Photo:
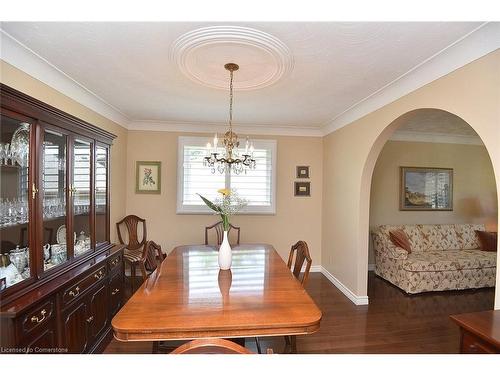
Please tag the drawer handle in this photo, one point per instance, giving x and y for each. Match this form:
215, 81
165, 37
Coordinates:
89, 320
98, 275
36, 319
74, 293
115, 291
114, 262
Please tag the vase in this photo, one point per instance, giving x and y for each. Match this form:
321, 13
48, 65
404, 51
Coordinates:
225, 256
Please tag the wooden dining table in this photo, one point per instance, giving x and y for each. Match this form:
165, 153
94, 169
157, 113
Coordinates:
188, 297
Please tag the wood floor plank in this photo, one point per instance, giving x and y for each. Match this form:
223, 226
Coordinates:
392, 323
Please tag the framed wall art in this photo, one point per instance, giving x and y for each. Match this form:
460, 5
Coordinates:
148, 177
302, 189
303, 171
426, 189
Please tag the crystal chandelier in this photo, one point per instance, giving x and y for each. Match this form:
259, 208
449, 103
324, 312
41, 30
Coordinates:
230, 159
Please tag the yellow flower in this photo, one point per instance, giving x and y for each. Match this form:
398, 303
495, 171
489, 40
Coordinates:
224, 192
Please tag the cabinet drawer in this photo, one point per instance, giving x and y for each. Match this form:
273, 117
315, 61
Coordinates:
472, 344
80, 287
36, 318
115, 263
115, 292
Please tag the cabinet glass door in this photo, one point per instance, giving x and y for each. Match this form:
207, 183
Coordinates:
81, 194
101, 195
15, 194
53, 196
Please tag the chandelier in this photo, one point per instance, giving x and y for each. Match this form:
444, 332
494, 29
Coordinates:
230, 159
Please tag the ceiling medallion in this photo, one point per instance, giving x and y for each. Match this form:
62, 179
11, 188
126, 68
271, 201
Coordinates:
230, 160
200, 53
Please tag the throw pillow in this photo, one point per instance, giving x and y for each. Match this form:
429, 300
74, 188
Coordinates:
400, 239
487, 240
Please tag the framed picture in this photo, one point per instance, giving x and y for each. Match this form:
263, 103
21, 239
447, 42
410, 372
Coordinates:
148, 177
302, 189
426, 189
303, 171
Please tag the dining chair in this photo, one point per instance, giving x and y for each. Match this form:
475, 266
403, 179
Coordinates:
134, 248
152, 256
211, 346
219, 229
301, 253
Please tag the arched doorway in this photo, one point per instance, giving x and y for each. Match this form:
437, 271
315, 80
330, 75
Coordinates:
445, 127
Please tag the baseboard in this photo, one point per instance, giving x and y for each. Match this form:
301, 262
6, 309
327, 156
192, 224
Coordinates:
357, 300
316, 269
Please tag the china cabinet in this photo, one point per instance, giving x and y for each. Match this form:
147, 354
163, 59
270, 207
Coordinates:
60, 277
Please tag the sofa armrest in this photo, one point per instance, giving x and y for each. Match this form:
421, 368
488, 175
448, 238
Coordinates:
397, 252
384, 249
393, 252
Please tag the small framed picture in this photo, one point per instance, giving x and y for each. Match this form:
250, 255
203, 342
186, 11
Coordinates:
148, 177
3, 283
302, 189
426, 189
303, 171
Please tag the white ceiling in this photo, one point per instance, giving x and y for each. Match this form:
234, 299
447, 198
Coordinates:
434, 125
329, 67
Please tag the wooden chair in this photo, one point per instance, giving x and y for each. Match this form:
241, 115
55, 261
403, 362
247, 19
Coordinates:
211, 346
219, 229
301, 252
152, 256
134, 248
302, 255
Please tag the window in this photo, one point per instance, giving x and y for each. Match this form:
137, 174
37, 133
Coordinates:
257, 186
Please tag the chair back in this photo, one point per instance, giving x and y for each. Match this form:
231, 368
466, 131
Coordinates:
219, 230
151, 258
302, 255
132, 222
211, 346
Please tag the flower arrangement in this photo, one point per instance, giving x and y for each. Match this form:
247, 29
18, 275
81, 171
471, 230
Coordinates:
227, 205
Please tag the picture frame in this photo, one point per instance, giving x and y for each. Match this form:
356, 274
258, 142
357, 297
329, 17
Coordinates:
302, 189
148, 177
426, 189
303, 171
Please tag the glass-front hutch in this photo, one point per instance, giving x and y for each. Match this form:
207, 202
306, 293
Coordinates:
54, 193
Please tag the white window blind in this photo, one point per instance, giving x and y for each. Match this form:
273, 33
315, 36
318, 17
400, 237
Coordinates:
256, 186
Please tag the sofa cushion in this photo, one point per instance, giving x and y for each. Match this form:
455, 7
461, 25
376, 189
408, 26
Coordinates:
467, 236
440, 237
400, 239
488, 240
448, 260
413, 232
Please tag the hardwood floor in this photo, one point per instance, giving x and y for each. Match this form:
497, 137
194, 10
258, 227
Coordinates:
392, 323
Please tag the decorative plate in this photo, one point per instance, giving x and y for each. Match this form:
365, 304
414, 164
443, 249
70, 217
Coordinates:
19, 145
61, 234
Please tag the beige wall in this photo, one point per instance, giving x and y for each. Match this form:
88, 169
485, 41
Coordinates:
23, 82
471, 92
474, 187
297, 218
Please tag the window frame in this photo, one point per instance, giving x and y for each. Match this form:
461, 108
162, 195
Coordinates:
270, 144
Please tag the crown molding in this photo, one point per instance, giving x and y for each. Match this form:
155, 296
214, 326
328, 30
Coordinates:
22, 57
479, 42
213, 127
472, 46
412, 136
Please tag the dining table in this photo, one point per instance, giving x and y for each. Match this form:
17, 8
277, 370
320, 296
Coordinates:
188, 297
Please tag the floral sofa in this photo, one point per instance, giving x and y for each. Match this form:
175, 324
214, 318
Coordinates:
443, 257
